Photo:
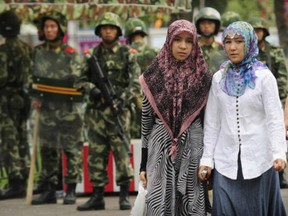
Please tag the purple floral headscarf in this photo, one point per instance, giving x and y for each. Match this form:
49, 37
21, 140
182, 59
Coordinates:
237, 76
177, 90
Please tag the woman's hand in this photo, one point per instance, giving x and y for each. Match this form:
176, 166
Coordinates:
142, 178
204, 173
279, 165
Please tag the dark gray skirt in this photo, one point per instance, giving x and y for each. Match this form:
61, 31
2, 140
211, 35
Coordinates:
260, 196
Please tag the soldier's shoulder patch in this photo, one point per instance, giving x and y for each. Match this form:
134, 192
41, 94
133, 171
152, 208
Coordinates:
132, 51
69, 49
87, 51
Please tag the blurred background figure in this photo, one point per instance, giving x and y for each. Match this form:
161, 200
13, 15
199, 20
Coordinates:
56, 66
208, 22
136, 35
229, 17
15, 61
273, 56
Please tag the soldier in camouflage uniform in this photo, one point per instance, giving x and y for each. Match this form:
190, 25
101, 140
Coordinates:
136, 33
119, 65
14, 105
274, 58
229, 17
208, 23
60, 124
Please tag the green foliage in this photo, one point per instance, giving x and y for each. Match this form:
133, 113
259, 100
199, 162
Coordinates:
254, 8
218, 5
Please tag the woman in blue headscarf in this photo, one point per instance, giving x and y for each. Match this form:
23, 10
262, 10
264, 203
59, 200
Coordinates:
244, 134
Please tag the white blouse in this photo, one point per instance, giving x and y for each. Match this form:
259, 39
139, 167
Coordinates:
252, 123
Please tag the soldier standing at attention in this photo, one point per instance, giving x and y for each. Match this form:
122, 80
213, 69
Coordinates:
56, 66
274, 58
118, 64
136, 33
208, 22
15, 61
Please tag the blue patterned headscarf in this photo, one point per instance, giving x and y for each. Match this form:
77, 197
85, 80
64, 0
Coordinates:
237, 76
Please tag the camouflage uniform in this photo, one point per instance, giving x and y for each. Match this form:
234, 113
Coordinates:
15, 67
145, 54
274, 58
61, 123
213, 53
119, 65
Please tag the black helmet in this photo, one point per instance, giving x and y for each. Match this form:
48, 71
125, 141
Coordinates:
208, 13
9, 24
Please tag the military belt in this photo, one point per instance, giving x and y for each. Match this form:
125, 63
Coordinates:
55, 90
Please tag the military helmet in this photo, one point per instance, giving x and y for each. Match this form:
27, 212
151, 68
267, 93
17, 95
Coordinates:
208, 13
133, 26
57, 17
109, 18
229, 17
9, 24
259, 22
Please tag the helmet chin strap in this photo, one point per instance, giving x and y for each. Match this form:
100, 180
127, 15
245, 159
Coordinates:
207, 35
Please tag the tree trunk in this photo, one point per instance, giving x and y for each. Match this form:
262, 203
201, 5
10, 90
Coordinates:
282, 23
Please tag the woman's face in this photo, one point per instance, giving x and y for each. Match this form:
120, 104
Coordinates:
234, 48
182, 46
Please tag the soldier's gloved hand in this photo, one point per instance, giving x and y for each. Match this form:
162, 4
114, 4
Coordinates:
95, 94
84, 88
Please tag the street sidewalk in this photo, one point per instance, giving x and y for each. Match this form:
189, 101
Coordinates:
18, 207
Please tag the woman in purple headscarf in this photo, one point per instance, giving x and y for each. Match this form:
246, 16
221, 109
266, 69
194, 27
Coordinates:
175, 88
244, 133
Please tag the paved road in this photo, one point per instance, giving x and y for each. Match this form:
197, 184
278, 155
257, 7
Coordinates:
18, 207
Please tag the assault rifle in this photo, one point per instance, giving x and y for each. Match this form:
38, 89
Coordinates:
109, 95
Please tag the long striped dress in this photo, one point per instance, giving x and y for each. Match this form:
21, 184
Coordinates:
173, 187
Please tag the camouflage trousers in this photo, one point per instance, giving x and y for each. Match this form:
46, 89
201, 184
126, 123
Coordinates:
103, 138
20, 123
9, 149
61, 130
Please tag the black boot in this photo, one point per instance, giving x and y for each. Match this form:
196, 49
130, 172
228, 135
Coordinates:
16, 189
46, 197
41, 187
283, 181
70, 197
96, 201
123, 197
